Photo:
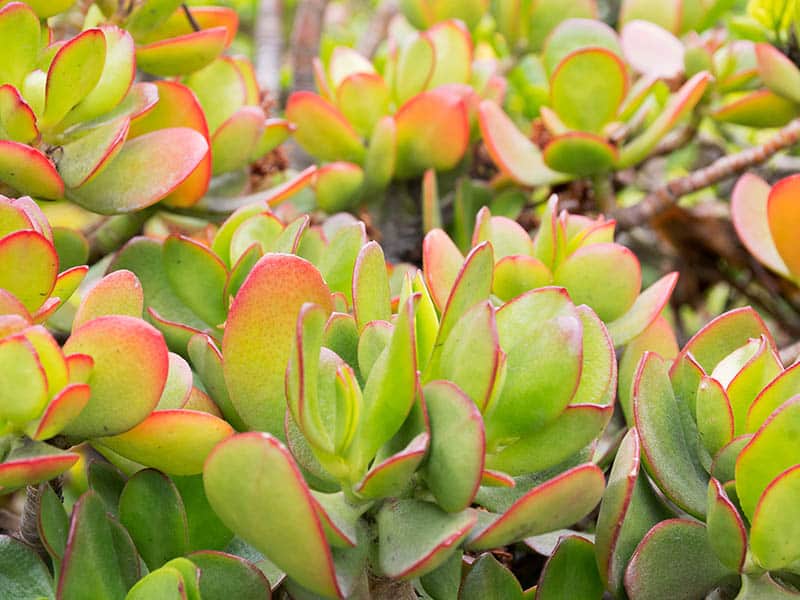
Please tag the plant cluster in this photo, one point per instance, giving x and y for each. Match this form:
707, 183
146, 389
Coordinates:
215, 387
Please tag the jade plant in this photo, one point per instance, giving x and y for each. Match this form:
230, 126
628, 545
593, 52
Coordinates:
373, 127
715, 431
368, 464
764, 217
570, 251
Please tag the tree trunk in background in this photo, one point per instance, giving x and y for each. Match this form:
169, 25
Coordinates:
269, 46
306, 32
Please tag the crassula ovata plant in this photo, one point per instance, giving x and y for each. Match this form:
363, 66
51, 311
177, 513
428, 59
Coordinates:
444, 353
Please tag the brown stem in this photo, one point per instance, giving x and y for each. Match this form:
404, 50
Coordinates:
378, 27
28, 526
306, 34
268, 41
190, 17
668, 194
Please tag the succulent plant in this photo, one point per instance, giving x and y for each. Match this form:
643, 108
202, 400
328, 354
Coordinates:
595, 120
371, 127
569, 251
386, 433
764, 218
715, 431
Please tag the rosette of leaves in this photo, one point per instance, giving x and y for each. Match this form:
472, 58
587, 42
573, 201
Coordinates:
171, 39
765, 219
66, 112
238, 128
189, 284
715, 432
569, 251
375, 435
596, 119
372, 127
147, 536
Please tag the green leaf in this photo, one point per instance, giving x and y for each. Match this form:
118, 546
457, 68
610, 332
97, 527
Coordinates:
84, 158
415, 63
443, 582
489, 580
17, 120
364, 99
23, 575
20, 26
415, 537
587, 88
197, 277
764, 588
391, 476
119, 188
28, 267
338, 186
542, 370
580, 153
456, 458
339, 259
607, 277
151, 509
571, 572
772, 450
224, 576
556, 503
118, 293
23, 382
255, 355
442, 261
52, 523
207, 362
390, 389
74, 72
90, 568
674, 560
371, 296
628, 510
163, 584
190, 574
107, 481
714, 415
778, 72
255, 487
182, 54
668, 452
471, 356
123, 393
574, 34
322, 130
234, 142
726, 531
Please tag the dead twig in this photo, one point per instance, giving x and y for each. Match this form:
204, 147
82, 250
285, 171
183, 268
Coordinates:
668, 194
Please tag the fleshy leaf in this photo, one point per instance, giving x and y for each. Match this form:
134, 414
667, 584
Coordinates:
778, 72
652, 50
422, 123
118, 293
31, 462
173, 441
761, 108
407, 552
511, 151
571, 572
456, 458
580, 153
123, 392
772, 450
224, 576
773, 538
183, 54
255, 469
669, 458
489, 580
119, 188
90, 567
371, 301
17, 120
197, 276
783, 218
392, 475
234, 142
25, 576
749, 215
726, 532
19, 25
151, 509
338, 186
442, 262
74, 72
29, 171
674, 555
259, 333
322, 130
558, 502
587, 88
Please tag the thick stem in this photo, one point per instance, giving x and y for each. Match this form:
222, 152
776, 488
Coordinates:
28, 526
382, 588
378, 27
306, 34
668, 194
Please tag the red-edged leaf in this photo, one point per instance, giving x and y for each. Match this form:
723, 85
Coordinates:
778, 72
322, 130
783, 218
28, 267
255, 470
32, 462
726, 531
29, 171
183, 54
749, 200
118, 293
652, 50
259, 332
392, 475
556, 503
442, 261
62, 410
